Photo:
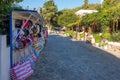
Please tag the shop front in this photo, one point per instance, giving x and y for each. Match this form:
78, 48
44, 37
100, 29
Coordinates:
27, 39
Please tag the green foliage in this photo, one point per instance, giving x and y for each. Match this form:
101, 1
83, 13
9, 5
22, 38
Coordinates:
85, 4
107, 36
115, 37
94, 6
109, 12
90, 7
110, 3
67, 18
5, 7
90, 32
74, 35
97, 38
50, 12
82, 35
71, 33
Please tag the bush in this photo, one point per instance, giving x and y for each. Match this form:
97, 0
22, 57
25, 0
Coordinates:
97, 38
107, 36
71, 33
115, 37
82, 35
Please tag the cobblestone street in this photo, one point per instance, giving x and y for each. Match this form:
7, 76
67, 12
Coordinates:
64, 59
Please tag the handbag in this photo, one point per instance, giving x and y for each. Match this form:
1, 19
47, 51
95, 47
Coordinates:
29, 58
22, 71
13, 75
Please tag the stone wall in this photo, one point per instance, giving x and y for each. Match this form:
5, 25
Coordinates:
114, 46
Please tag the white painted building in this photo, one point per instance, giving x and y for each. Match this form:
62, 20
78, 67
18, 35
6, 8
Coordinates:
4, 59
84, 12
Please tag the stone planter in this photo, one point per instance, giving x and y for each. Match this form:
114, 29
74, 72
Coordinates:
82, 39
105, 47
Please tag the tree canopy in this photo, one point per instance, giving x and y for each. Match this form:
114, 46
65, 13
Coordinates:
85, 4
110, 3
109, 12
67, 18
5, 7
50, 12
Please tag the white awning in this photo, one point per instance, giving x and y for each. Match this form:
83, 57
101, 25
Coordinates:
25, 14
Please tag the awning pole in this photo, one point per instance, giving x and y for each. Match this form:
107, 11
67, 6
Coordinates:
36, 21
27, 20
39, 18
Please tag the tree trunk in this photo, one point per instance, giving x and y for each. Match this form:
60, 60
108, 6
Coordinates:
90, 30
117, 25
113, 26
49, 26
108, 29
72, 28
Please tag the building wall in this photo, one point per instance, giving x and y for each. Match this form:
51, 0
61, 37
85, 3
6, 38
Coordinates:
4, 59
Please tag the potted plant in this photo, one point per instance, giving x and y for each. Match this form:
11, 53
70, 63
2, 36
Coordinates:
97, 39
82, 35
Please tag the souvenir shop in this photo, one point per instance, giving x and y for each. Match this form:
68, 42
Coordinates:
27, 39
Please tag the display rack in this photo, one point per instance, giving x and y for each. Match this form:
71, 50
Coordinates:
26, 36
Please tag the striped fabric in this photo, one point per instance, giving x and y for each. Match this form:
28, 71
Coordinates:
46, 34
23, 71
12, 74
34, 57
29, 58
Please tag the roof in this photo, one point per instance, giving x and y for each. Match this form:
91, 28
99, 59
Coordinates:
25, 14
84, 12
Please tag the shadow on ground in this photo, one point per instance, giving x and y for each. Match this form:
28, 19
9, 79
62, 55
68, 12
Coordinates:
64, 59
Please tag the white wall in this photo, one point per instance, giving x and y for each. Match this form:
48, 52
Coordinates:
4, 59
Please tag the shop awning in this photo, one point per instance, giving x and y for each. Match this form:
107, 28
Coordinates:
34, 16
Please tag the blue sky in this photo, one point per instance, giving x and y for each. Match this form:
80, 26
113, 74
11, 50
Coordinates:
61, 4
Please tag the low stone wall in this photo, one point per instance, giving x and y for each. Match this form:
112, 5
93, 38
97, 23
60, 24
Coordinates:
114, 46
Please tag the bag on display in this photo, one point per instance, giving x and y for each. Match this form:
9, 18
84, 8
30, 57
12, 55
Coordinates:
22, 71
29, 58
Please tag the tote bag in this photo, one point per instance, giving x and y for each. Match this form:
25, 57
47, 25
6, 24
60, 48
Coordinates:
23, 71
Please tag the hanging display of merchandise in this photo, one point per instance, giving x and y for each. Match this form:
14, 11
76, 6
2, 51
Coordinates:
26, 42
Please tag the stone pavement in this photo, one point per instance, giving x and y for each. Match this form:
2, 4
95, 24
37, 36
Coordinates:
64, 59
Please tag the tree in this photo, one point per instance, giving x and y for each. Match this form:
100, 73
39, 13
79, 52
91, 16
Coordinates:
110, 3
107, 16
50, 13
5, 7
67, 18
85, 3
